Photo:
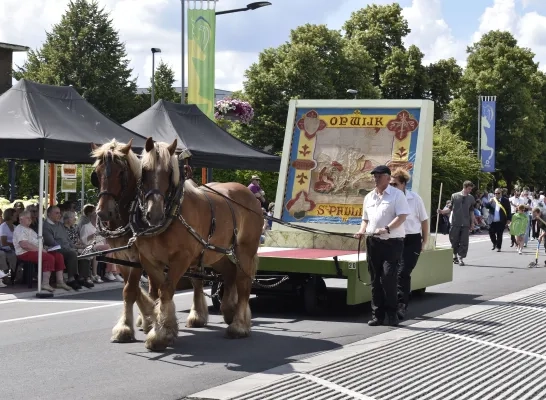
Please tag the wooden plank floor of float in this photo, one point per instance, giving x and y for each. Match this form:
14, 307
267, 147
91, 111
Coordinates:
434, 267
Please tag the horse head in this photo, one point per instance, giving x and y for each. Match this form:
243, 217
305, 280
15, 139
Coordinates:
115, 175
160, 174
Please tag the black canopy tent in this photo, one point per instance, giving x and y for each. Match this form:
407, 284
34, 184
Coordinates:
210, 145
55, 124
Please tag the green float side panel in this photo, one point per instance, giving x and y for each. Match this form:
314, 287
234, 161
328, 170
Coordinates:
434, 267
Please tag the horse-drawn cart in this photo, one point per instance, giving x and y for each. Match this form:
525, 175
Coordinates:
330, 148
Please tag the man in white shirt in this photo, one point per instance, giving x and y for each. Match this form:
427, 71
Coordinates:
417, 232
384, 212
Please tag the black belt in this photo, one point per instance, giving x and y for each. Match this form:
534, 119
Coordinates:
386, 240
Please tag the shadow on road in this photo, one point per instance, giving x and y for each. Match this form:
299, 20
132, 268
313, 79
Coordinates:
198, 347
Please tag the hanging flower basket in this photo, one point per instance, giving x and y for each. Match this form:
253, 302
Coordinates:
233, 110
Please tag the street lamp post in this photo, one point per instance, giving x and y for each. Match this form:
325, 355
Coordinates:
249, 7
353, 92
154, 50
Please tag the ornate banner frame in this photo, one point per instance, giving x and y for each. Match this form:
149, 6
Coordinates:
330, 147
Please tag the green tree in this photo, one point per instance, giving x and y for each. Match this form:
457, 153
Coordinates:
404, 76
444, 79
84, 50
164, 80
316, 63
453, 162
379, 29
497, 66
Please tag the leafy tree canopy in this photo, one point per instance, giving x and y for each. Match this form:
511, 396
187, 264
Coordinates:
84, 50
497, 66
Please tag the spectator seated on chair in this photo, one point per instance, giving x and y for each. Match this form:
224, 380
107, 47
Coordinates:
33, 209
26, 244
88, 233
55, 234
69, 223
8, 259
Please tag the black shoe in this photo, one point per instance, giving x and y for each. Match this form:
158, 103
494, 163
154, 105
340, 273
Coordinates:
494, 247
375, 322
74, 284
85, 283
498, 250
512, 245
401, 312
392, 320
455, 260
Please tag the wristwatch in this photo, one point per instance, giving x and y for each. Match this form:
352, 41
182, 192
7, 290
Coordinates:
388, 229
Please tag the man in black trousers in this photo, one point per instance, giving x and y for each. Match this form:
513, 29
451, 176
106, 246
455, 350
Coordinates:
499, 208
383, 215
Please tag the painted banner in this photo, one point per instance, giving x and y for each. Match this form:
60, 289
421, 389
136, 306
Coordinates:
333, 151
201, 49
69, 171
69, 185
487, 134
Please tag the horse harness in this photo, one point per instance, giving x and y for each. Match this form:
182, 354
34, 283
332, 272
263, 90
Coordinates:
174, 198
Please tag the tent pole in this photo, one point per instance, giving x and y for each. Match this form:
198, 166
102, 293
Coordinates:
42, 198
51, 170
83, 188
46, 185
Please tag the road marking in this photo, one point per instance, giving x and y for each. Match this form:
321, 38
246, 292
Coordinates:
57, 313
118, 303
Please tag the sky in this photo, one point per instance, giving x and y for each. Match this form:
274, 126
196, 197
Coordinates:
441, 28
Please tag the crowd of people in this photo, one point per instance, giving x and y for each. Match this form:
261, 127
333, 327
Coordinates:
520, 214
65, 236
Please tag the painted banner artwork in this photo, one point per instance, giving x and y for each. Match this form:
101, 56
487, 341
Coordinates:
332, 154
487, 135
201, 49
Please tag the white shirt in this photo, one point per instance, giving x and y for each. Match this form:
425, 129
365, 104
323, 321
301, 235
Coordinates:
417, 214
379, 211
5, 231
517, 201
87, 230
23, 233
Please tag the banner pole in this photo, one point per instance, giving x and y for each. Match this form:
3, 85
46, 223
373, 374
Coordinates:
438, 214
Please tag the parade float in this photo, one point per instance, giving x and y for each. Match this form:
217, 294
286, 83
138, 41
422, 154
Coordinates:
330, 148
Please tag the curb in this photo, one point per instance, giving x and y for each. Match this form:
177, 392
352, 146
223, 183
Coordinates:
101, 287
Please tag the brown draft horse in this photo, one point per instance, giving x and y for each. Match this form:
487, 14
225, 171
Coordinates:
116, 159
179, 249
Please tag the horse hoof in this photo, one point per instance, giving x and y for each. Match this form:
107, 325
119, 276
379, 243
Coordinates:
159, 341
237, 332
196, 321
146, 326
123, 334
139, 322
228, 319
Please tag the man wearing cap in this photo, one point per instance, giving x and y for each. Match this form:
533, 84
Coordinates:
384, 212
256, 189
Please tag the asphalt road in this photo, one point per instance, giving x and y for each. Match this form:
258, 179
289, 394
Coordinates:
60, 348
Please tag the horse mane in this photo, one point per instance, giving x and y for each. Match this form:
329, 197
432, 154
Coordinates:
113, 149
161, 158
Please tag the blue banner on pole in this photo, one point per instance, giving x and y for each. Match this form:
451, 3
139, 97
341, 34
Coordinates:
487, 138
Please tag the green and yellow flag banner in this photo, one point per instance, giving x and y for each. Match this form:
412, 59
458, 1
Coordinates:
201, 49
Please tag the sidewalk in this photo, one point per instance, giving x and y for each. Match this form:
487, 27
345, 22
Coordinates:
21, 291
492, 351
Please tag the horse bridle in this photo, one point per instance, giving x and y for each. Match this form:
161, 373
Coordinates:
108, 171
143, 198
